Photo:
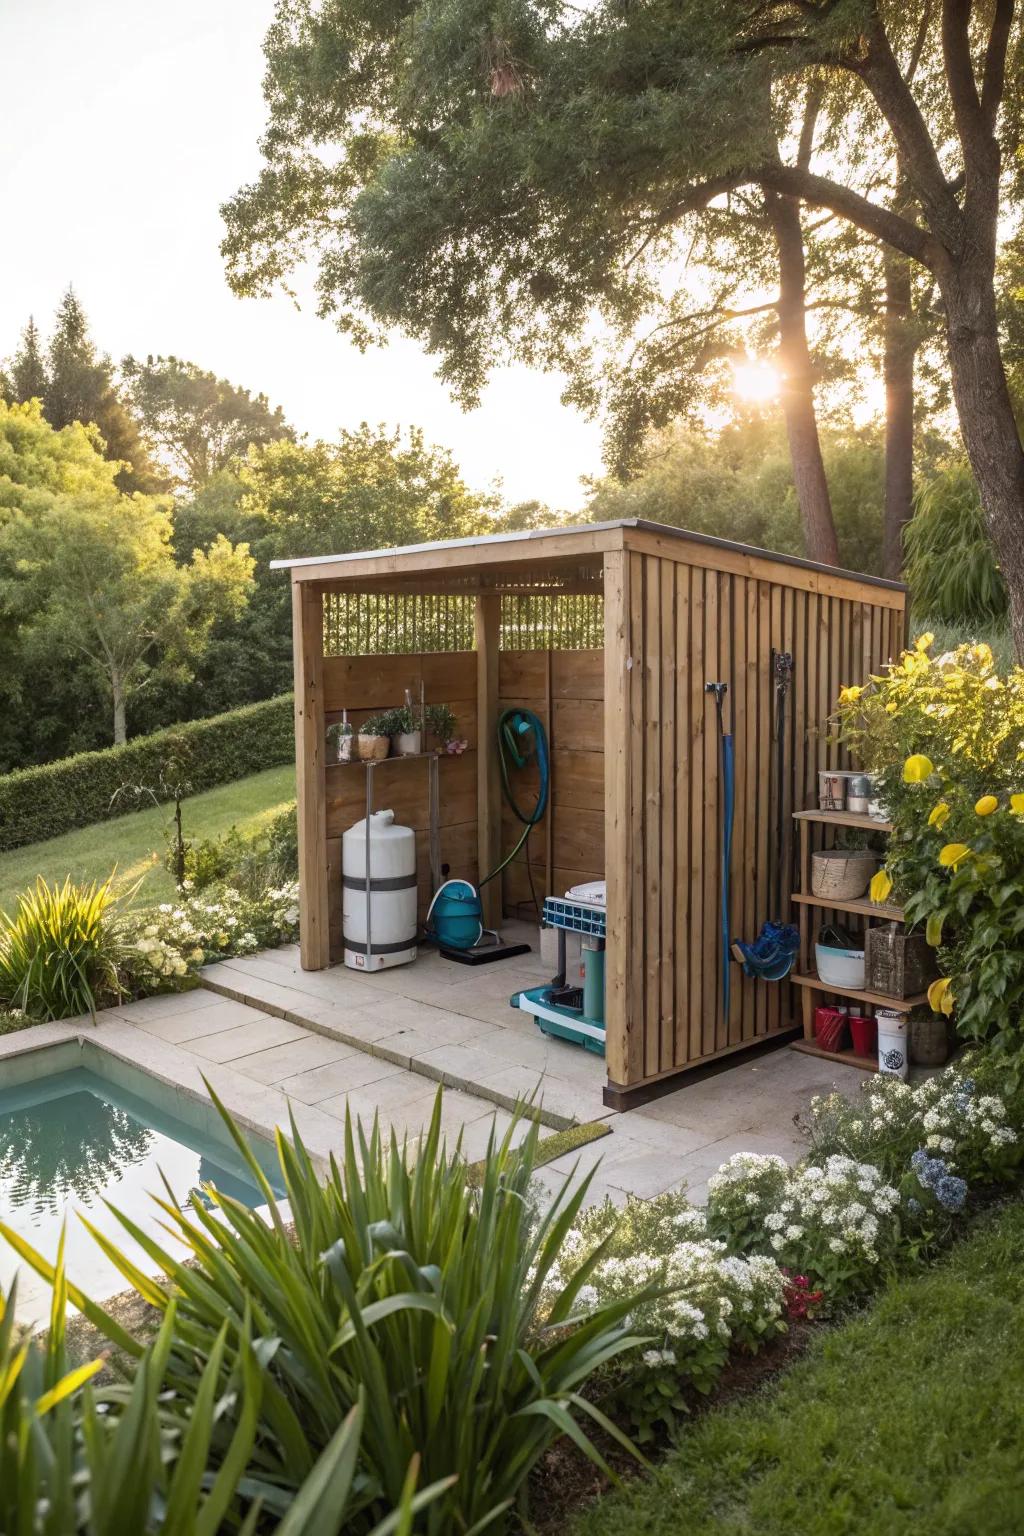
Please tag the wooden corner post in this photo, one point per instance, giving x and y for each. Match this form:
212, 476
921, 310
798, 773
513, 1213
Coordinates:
618, 811
310, 788
487, 636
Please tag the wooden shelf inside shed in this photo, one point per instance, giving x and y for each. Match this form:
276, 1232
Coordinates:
848, 1058
864, 906
844, 819
876, 999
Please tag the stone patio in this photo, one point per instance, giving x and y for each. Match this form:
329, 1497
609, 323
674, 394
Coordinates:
404, 1030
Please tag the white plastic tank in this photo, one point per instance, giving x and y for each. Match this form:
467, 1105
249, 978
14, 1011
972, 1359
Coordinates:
392, 894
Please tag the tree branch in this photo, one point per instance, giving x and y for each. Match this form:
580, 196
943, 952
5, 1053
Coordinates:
956, 55
881, 74
994, 75
872, 218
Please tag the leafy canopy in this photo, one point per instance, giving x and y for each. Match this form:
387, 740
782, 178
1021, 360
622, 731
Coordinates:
199, 422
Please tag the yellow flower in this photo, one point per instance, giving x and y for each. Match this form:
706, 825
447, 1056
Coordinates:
986, 805
953, 854
940, 996
890, 708
940, 814
1017, 804
917, 768
880, 887
850, 695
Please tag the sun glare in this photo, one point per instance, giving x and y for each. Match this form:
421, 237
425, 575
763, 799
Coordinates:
755, 381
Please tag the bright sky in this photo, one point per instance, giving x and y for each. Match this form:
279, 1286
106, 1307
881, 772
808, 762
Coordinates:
128, 123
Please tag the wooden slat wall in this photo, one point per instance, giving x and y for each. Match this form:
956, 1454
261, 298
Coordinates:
565, 689
679, 626
365, 685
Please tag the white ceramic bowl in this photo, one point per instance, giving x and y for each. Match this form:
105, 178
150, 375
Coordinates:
840, 967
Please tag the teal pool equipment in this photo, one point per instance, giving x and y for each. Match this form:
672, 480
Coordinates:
571, 1012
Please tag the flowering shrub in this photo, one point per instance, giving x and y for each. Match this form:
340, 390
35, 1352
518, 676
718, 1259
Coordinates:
171, 942
700, 1301
958, 1115
749, 1184
945, 735
836, 1222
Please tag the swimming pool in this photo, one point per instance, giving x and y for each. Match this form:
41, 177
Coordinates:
79, 1129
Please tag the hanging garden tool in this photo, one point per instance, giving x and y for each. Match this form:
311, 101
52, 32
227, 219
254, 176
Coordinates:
726, 799
772, 954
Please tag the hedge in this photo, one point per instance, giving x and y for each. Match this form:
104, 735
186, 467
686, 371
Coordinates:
54, 798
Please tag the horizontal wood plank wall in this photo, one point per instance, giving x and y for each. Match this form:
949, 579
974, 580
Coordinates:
565, 689
365, 685
684, 625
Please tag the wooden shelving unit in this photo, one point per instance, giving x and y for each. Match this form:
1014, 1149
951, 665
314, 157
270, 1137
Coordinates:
805, 977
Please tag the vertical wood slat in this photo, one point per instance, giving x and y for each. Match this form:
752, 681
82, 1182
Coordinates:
696, 999
669, 671
653, 810
308, 661
682, 792
618, 818
487, 632
634, 746
711, 989
754, 808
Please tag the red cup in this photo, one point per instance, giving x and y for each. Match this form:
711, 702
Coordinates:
865, 1034
830, 1028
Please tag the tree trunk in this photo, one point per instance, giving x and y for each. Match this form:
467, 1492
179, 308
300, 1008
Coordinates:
797, 387
898, 371
120, 732
987, 421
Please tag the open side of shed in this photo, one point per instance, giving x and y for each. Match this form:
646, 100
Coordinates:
609, 633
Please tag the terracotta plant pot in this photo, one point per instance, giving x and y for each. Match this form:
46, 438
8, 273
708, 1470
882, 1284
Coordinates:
372, 748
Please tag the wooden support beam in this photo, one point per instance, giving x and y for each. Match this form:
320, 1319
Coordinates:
487, 636
308, 651
618, 804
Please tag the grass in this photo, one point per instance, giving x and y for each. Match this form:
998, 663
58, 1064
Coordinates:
908, 1419
135, 843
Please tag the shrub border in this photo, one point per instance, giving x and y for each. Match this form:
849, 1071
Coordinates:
54, 798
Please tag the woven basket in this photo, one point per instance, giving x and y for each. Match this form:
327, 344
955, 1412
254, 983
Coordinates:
842, 873
372, 748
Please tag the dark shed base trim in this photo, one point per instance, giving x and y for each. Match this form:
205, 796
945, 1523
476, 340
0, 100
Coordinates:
625, 1098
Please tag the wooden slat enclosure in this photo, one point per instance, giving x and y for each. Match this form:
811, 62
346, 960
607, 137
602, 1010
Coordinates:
677, 626
634, 745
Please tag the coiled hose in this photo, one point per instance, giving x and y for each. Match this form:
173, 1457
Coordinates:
515, 727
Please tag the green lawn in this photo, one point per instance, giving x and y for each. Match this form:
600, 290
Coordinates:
136, 843
908, 1420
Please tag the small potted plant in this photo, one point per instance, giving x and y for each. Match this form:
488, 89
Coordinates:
340, 741
373, 740
441, 720
405, 727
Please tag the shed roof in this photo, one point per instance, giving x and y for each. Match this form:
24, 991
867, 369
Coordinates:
568, 549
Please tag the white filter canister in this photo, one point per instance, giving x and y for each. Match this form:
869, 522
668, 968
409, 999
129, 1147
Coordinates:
893, 1042
390, 852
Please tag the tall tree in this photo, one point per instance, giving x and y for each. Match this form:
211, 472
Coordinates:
26, 372
80, 387
199, 422
496, 177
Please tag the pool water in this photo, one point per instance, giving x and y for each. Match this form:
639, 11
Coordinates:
70, 1141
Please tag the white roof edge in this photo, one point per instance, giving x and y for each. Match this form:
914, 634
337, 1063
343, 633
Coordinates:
471, 540
670, 530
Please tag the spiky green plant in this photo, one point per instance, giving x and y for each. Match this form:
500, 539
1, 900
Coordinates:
60, 949
139, 1459
402, 1281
